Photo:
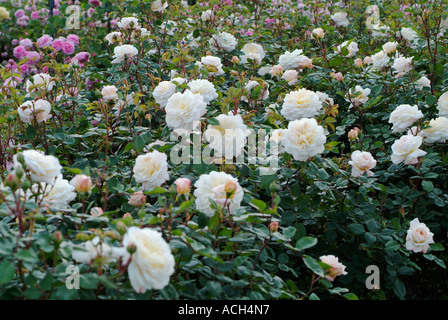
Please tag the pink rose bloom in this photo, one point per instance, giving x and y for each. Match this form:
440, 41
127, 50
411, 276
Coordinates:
19, 13
94, 3
27, 43
24, 68
33, 57
20, 52
57, 44
44, 41
82, 57
68, 47
73, 38
35, 15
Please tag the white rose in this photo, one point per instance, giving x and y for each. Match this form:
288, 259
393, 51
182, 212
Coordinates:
212, 64
251, 85
390, 47
422, 83
362, 161
402, 65
252, 51
128, 23
109, 93
406, 149
292, 60
409, 34
152, 264
91, 249
207, 15
325, 98
300, 104
41, 81
404, 116
337, 268
205, 88
42, 168
437, 132
114, 37
290, 76
163, 92
151, 169
276, 70
212, 186
358, 96
418, 237
62, 192
304, 139
380, 60
442, 104
82, 183
318, 33
158, 6
35, 110
351, 47
340, 19
183, 109
228, 137
124, 51
224, 41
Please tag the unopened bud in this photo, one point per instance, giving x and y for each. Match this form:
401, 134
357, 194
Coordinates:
121, 227
131, 248
358, 63
19, 172
12, 181
148, 116
230, 188
57, 237
183, 185
235, 59
354, 133
273, 226
82, 183
26, 184
138, 199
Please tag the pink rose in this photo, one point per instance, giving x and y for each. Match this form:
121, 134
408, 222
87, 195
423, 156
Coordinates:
68, 47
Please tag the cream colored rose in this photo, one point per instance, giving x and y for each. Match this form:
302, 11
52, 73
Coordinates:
123, 52
290, 76
418, 237
442, 105
163, 91
251, 85
362, 161
128, 23
404, 116
252, 51
152, 264
409, 34
42, 168
437, 131
109, 93
61, 192
318, 33
158, 6
304, 139
205, 88
336, 268
276, 70
292, 60
212, 64
114, 37
340, 19
213, 185
223, 41
91, 249
380, 60
402, 65
182, 185
351, 47
4, 14
82, 183
300, 104
39, 110
151, 169
41, 81
358, 96
207, 15
390, 47
406, 150
183, 109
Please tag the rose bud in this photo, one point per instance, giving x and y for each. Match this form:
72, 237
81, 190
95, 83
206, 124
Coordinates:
183, 185
318, 33
96, 211
138, 199
354, 133
273, 226
82, 183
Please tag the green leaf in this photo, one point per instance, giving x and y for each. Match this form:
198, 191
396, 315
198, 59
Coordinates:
289, 232
428, 186
7, 271
350, 296
437, 247
356, 228
214, 288
399, 289
313, 265
306, 242
259, 204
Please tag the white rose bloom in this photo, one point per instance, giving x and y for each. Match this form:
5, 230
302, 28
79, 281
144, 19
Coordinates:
300, 104
228, 137
404, 116
163, 92
124, 51
62, 192
422, 83
42, 81
390, 47
406, 149
358, 96
292, 60
158, 6
418, 237
379, 31
128, 23
380, 60
109, 93
152, 264
89, 250
35, 110
362, 161
409, 34
442, 104
207, 15
402, 65
114, 37
304, 139
265, 70
290, 76
437, 132
213, 185
42, 168
151, 169
212, 64
224, 41
183, 109
340, 19
351, 47
252, 51
337, 268
205, 88
325, 98
251, 85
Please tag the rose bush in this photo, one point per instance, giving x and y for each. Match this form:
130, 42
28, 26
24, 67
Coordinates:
223, 149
